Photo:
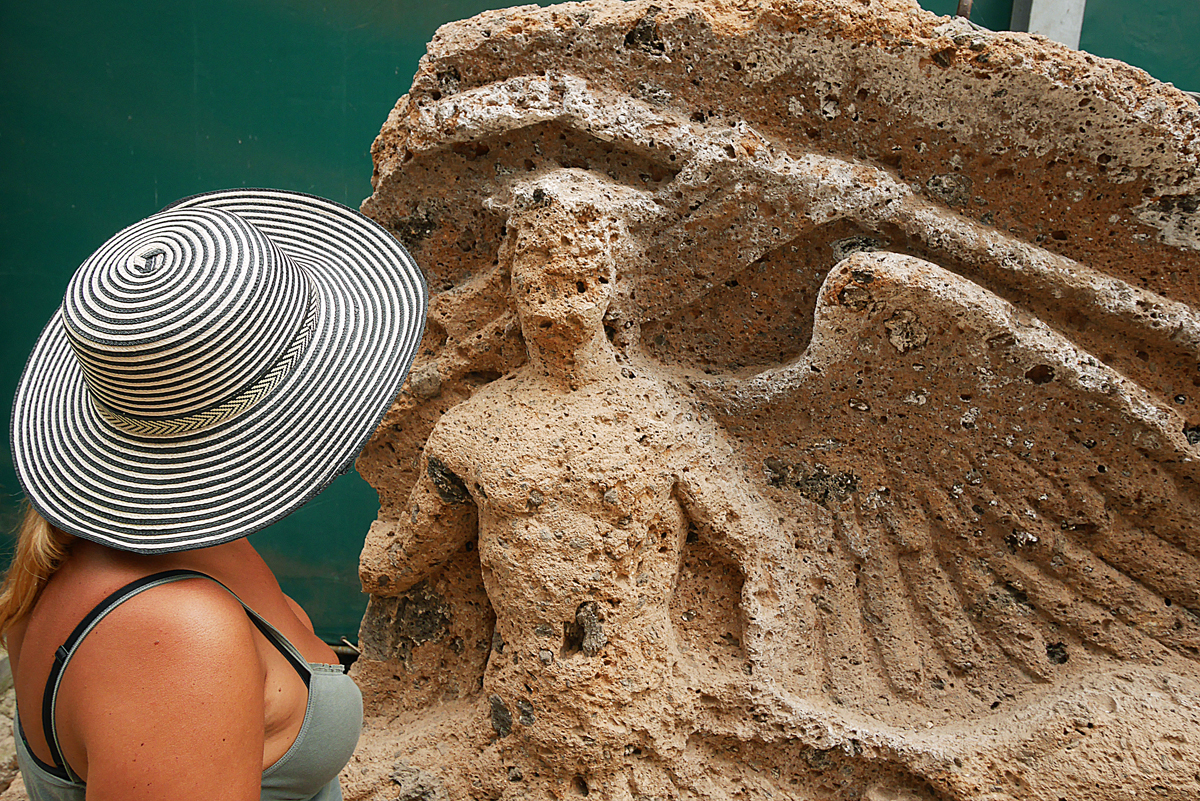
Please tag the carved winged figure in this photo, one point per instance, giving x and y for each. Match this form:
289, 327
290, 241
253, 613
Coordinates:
781, 430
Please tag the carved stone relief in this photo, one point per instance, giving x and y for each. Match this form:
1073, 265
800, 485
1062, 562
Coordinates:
810, 408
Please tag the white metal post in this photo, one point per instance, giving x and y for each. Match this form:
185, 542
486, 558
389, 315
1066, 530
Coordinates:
1060, 20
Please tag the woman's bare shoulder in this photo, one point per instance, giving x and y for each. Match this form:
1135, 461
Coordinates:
178, 660
88, 577
194, 615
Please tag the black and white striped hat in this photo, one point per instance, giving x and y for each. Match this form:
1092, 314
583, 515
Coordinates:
213, 367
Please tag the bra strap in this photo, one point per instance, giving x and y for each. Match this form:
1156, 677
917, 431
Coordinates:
65, 651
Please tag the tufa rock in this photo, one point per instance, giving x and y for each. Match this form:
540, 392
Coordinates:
843, 357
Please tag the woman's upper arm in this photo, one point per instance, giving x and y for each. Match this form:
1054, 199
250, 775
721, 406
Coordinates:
166, 699
299, 612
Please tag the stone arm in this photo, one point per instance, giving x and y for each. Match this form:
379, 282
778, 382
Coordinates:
442, 518
721, 503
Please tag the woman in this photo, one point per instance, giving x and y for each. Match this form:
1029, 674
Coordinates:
211, 369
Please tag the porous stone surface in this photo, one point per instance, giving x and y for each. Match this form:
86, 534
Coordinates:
809, 408
8, 748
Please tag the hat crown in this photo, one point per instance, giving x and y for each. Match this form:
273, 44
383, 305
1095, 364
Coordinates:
182, 312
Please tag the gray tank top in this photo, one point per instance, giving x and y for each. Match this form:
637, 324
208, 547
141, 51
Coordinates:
307, 772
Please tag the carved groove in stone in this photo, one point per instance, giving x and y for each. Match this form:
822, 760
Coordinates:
810, 404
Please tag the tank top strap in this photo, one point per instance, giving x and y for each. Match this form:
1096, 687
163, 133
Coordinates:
62, 656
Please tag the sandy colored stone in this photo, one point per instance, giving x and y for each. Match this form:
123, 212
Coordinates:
809, 408
16, 790
11, 788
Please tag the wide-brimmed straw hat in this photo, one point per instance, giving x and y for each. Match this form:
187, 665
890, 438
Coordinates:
213, 367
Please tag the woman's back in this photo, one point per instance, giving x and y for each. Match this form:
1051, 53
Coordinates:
178, 677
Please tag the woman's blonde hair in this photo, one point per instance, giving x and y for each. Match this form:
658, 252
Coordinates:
40, 551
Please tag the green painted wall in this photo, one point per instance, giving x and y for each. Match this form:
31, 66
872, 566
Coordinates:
109, 110
1160, 36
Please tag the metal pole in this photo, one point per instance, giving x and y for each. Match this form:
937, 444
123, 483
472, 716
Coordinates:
1060, 20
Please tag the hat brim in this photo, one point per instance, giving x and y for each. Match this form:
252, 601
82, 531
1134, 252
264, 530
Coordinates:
163, 494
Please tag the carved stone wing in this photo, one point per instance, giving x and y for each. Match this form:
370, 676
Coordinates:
998, 508
893, 326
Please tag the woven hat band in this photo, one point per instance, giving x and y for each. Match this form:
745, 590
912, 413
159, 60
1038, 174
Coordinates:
213, 367
174, 320
227, 410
